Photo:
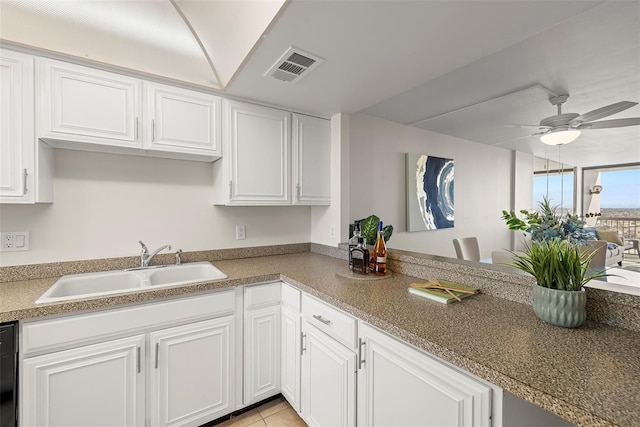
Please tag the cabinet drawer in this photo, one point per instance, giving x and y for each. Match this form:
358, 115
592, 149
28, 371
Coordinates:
262, 295
334, 322
69, 331
291, 297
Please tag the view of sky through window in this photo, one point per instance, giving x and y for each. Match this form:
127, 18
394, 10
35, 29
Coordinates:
621, 189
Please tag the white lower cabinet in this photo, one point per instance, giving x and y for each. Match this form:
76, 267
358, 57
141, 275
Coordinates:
328, 383
290, 356
171, 363
399, 385
101, 384
328, 380
176, 363
262, 354
191, 377
261, 342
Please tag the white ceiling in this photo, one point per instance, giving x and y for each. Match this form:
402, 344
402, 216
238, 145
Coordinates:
462, 68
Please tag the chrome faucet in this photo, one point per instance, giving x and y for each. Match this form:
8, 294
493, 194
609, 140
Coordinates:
145, 256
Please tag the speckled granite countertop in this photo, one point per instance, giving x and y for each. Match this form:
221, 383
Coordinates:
589, 376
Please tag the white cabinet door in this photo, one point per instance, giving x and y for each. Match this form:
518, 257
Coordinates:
192, 379
16, 124
255, 169
311, 160
399, 385
97, 385
26, 167
328, 380
262, 354
87, 105
290, 357
180, 120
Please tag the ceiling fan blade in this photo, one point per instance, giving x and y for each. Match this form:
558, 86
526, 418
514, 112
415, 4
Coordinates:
527, 126
602, 112
605, 124
521, 137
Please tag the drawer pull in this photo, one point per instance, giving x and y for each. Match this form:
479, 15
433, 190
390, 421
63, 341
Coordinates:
321, 319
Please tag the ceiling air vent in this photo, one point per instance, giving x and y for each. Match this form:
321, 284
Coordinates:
293, 65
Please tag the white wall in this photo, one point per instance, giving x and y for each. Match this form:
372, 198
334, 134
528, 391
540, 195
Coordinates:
103, 204
522, 195
329, 224
377, 184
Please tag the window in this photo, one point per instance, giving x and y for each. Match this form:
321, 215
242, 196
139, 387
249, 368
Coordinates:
557, 185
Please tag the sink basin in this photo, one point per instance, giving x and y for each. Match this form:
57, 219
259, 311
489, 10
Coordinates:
185, 273
86, 285
91, 284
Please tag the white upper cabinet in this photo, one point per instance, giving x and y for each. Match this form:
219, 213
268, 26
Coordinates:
25, 168
16, 126
255, 167
180, 119
311, 160
88, 109
87, 105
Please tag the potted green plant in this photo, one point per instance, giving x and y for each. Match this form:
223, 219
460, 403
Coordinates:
546, 223
369, 229
561, 270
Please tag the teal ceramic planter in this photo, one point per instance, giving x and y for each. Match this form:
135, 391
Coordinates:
560, 308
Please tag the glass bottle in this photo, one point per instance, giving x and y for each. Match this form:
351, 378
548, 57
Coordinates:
378, 259
360, 257
353, 241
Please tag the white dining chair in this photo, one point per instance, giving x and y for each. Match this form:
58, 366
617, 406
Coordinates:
467, 248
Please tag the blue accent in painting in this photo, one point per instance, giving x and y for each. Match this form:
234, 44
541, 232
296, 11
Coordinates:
438, 190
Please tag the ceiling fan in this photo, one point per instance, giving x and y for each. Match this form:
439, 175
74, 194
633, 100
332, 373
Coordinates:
565, 128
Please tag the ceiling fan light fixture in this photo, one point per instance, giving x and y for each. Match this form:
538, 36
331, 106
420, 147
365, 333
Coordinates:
560, 137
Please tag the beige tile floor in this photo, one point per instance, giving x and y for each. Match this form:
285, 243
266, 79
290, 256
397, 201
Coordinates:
276, 413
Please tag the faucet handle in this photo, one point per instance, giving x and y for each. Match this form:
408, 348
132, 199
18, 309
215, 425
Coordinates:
144, 247
178, 257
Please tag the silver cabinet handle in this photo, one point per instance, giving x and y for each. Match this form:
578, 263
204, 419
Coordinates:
321, 319
157, 354
138, 358
302, 346
153, 130
361, 343
24, 182
136, 129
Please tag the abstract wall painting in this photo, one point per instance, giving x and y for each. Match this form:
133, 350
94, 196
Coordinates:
429, 192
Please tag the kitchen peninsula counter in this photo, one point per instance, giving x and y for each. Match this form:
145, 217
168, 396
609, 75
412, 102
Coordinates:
589, 375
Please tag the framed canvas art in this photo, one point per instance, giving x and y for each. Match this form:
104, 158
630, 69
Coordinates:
429, 192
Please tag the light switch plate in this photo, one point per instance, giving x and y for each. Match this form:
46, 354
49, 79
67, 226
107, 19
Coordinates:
240, 232
11, 241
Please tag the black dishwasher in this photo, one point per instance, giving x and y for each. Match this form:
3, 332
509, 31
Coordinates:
8, 374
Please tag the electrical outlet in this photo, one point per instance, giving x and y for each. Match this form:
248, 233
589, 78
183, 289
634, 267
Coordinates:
240, 232
14, 241
332, 231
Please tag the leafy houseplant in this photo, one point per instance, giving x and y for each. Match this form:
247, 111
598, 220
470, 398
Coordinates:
546, 223
554, 258
369, 229
561, 271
